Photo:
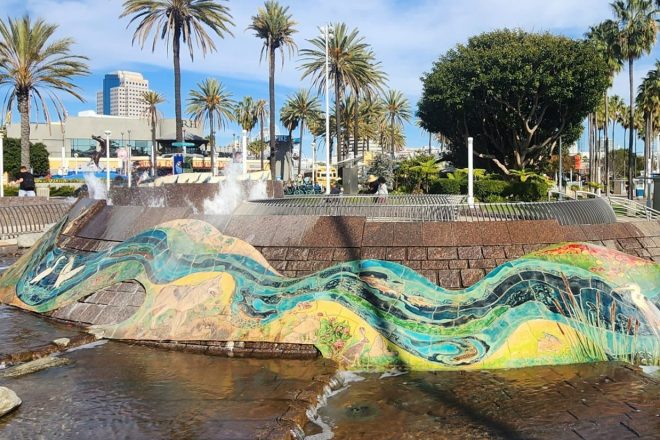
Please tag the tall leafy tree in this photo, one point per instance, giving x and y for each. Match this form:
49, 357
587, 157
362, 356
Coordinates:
515, 93
304, 107
246, 114
35, 66
351, 64
152, 100
211, 101
261, 110
605, 37
397, 112
276, 27
636, 31
177, 22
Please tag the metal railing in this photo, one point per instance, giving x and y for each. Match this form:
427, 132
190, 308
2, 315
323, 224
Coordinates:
441, 208
624, 207
21, 219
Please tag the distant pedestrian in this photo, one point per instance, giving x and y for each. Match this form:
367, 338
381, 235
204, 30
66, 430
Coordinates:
25, 180
382, 187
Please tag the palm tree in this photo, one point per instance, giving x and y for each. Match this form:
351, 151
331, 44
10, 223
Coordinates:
261, 110
305, 108
290, 121
648, 100
33, 65
397, 110
178, 21
604, 36
636, 30
211, 101
274, 25
351, 64
152, 99
246, 115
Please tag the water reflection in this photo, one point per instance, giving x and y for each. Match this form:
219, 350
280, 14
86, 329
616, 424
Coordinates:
606, 400
122, 391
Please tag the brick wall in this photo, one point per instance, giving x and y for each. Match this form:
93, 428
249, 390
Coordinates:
453, 255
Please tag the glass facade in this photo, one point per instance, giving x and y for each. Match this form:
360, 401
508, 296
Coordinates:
87, 147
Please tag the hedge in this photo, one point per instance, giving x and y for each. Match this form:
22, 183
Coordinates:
445, 186
531, 190
485, 190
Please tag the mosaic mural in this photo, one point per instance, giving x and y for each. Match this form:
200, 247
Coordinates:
568, 303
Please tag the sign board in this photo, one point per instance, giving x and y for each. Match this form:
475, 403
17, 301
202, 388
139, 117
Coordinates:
177, 164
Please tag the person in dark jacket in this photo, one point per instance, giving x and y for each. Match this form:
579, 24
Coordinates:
25, 180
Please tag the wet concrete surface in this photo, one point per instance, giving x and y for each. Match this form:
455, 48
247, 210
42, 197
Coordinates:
122, 391
595, 401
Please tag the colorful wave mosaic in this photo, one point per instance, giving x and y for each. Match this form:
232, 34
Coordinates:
568, 303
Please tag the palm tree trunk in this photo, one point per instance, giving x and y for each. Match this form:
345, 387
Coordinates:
392, 133
261, 137
153, 144
212, 142
430, 143
177, 81
338, 120
24, 110
613, 149
648, 137
607, 149
271, 100
631, 158
302, 126
356, 115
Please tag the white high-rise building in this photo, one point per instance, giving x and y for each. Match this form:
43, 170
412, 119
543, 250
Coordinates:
122, 95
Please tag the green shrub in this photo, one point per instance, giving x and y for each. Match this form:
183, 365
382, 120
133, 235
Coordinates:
486, 189
62, 191
445, 186
494, 198
11, 191
531, 190
38, 157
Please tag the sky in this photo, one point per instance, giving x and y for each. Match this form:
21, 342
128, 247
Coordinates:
407, 36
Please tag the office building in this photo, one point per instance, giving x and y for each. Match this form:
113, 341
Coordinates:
122, 95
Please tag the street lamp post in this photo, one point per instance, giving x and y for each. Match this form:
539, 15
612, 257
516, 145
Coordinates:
107, 163
327, 31
129, 166
313, 163
561, 171
244, 152
470, 145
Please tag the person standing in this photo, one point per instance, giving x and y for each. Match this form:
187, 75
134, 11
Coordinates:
25, 180
381, 189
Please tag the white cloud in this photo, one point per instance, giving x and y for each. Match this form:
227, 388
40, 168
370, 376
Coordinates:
407, 36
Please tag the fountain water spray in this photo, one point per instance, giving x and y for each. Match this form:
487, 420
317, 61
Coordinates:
233, 190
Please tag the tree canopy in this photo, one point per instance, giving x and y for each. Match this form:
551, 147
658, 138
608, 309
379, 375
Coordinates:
515, 93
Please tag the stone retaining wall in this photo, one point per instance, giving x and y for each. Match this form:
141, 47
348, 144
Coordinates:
452, 254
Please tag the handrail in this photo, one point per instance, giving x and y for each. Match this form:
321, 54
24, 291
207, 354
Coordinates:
632, 208
442, 208
23, 219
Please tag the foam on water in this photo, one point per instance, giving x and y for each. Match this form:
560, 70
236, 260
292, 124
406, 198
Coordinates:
341, 382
